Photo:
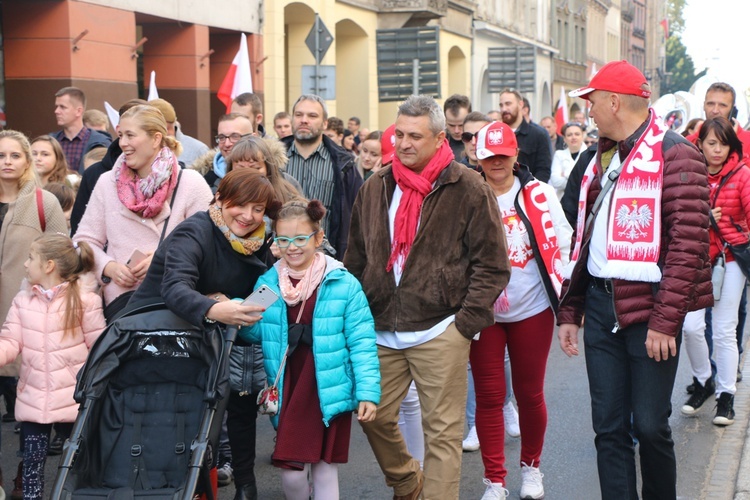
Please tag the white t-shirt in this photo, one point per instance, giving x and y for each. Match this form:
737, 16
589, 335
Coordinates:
404, 340
598, 245
525, 291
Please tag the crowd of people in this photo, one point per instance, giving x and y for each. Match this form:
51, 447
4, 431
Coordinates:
612, 218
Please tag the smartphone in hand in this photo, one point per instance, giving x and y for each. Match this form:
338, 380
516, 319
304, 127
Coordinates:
135, 258
263, 297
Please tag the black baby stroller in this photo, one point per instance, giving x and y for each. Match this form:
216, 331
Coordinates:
150, 398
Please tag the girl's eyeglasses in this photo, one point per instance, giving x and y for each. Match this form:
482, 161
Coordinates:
299, 241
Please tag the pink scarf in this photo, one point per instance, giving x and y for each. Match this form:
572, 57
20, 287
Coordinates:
634, 221
415, 187
537, 212
309, 279
147, 196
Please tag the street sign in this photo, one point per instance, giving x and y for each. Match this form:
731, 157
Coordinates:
408, 62
319, 40
319, 80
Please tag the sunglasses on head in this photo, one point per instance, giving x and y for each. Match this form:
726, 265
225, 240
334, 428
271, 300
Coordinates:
468, 136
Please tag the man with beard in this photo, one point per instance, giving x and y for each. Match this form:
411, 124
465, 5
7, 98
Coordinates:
325, 171
533, 141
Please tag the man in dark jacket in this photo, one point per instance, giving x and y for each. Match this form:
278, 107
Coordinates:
75, 139
92, 174
533, 141
639, 264
325, 171
432, 269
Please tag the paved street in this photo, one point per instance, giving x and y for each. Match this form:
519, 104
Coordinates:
568, 462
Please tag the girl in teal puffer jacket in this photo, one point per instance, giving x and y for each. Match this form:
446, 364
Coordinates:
320, 340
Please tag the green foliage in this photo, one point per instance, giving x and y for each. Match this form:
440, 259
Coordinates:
680, 65
674, 14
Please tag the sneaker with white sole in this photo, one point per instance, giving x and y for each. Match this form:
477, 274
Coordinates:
471, 443
224, 475
494, 491
511, 420
531, 482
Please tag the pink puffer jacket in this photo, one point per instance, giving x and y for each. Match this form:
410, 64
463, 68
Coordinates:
50, 361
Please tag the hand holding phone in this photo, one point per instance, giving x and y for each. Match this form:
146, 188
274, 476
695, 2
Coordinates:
263, 297
135, 258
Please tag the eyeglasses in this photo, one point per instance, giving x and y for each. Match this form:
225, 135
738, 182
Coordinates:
299, 241
468, 136
231, 138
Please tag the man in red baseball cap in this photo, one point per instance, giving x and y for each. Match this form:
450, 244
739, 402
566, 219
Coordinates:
619, 77
638, 265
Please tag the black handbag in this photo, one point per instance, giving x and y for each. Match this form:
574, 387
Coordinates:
741, 253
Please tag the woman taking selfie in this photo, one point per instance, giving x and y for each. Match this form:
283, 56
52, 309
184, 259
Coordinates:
213, 257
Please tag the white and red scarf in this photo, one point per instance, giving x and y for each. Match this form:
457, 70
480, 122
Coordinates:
634, 223
536, 209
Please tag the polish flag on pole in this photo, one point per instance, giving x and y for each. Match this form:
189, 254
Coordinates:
561, 114
152, 92
238, 79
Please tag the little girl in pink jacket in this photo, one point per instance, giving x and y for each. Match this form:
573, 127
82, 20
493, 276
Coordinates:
53, 322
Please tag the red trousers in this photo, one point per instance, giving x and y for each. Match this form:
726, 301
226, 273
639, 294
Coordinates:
528, 344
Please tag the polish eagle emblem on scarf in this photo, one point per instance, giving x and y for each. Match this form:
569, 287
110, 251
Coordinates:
634, 222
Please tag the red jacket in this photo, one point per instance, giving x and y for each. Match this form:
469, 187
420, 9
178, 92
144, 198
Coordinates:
734, 200
686, 269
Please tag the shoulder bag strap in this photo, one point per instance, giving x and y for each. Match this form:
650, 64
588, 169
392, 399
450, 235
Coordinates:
171, 204
40, 209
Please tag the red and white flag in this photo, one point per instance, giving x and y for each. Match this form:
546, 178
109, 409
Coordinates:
561, 114
238, 79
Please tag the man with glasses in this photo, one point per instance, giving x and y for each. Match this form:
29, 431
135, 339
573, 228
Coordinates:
325, 170
230, 130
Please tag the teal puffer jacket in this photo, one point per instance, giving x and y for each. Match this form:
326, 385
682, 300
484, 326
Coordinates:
347, 368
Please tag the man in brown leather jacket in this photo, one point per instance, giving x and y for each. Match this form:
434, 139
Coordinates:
427, 243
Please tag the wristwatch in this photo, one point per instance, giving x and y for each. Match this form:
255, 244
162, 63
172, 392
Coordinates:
106, 279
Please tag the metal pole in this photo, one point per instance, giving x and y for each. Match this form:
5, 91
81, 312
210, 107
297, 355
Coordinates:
316, 82
415, 77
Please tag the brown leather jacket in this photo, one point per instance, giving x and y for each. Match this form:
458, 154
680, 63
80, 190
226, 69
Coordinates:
458, 263
686, 269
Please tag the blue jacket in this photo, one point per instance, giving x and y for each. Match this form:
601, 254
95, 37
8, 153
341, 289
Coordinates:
347, 368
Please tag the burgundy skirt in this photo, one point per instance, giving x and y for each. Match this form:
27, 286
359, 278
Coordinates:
302, 437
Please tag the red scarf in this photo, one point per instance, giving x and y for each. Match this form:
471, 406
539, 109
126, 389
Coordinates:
415, 187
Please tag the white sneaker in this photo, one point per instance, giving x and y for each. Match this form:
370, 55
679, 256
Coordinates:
511, 420
471, 443
531, 482
494, 491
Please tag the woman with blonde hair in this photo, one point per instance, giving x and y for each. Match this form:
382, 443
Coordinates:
26, 212
267, 156
49, 159
136, 204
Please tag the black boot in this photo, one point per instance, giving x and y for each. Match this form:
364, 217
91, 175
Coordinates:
699, 396
246, 492
724, 409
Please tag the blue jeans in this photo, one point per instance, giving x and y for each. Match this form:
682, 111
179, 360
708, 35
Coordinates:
624, 380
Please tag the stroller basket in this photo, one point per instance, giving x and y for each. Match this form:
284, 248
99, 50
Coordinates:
149, 394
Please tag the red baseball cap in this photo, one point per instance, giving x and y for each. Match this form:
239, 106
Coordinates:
388, 145
619, 77
494, 139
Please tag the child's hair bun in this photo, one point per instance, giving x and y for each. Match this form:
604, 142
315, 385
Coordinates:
315, 210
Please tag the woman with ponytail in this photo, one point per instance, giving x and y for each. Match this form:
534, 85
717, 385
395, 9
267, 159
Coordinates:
318, 388
53, 321
136, 204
